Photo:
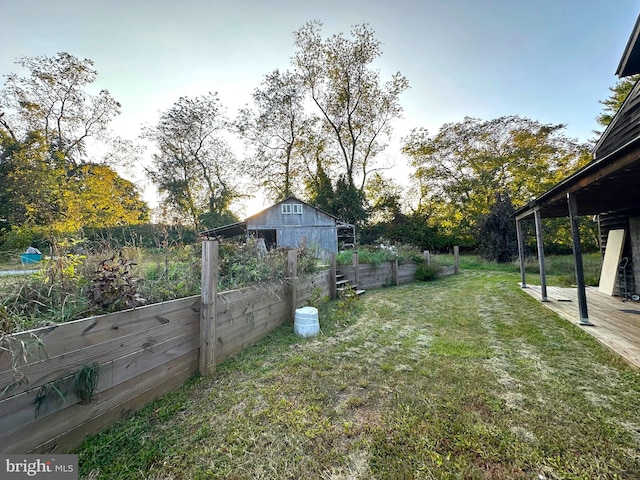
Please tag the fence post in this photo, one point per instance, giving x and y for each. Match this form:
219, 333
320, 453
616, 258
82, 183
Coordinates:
456, 256
427, 257
333, 276
394, 272
209, 296
292, 274
356, 269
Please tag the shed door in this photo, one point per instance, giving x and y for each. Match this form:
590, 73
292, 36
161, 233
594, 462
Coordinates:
270, 238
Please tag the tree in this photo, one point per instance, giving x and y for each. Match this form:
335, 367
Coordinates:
497, 237
385, 197
461, 168
275, 131
348, 203
54, 101
35, 193
105, 199
612, 104
356, 109
47, 177
320, 189
193, 166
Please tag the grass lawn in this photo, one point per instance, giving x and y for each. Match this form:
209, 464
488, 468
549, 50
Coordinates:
464, 377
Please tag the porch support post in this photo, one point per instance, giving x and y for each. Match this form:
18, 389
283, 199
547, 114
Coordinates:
577, 253
540, 244
523, 279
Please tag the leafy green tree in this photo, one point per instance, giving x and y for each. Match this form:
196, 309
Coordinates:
47, 178
497, 237
274, 128
193, 166
105, 199
36, 192
319, 189
612, 104
463, 166
349, 203
385, 198
356, 108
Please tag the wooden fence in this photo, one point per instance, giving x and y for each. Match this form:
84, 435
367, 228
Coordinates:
139, 354
389, 273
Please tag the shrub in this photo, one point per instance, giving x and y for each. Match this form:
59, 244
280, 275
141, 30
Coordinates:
425, 273
114, 286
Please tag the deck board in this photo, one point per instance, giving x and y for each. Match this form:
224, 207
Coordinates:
616, 323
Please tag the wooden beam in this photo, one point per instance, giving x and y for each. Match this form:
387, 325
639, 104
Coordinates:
577, 253
292, 274
456, 260
333, 276
394, 271
209, 295
356, 268
540, 245
523, 278
593, 173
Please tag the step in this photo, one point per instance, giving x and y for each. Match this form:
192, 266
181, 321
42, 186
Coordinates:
344, 289
342, 282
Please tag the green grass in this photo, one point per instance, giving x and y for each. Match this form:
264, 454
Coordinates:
463, 377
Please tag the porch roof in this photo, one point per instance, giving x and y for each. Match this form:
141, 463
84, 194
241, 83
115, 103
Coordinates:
603, 186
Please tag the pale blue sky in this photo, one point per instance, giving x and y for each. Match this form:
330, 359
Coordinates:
549, 60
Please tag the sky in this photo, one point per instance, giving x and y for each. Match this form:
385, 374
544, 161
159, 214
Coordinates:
548, 60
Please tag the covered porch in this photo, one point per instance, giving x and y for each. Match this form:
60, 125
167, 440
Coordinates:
614, 322
606, 189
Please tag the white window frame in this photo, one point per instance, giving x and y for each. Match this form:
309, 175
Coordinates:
291, 208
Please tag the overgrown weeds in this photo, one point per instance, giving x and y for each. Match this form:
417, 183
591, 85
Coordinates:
82, 280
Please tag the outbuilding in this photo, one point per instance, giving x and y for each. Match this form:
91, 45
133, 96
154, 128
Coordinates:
291, 223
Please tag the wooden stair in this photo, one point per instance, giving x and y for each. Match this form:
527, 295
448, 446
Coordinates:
343, 285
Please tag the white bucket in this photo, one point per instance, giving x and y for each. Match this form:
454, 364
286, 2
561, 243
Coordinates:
306, 322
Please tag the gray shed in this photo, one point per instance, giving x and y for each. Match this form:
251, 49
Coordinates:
291, 223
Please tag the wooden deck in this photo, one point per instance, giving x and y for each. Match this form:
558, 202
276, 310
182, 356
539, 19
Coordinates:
616, 323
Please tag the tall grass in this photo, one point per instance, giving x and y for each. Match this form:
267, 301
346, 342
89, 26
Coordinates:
75, 285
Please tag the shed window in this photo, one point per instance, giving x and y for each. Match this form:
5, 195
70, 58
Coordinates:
289, 208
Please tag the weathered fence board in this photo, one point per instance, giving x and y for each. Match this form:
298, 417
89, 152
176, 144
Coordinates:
372, 276
79, 334
48, 370
112, 375
143, 353
69, 428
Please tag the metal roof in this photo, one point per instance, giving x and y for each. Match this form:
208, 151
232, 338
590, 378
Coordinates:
226, 231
